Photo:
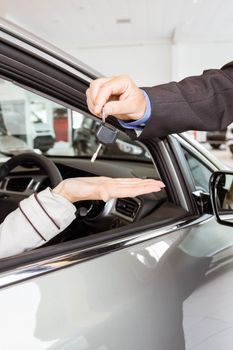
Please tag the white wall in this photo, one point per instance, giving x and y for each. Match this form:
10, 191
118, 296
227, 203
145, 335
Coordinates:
158, 63
146, 64
193, 58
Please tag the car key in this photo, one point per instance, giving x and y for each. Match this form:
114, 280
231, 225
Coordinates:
93, 158
106, 135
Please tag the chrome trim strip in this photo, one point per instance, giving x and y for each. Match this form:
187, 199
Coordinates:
200, 153
48, 265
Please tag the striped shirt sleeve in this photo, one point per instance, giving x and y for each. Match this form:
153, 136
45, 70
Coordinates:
38, 218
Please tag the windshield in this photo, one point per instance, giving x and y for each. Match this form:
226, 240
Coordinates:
29, 121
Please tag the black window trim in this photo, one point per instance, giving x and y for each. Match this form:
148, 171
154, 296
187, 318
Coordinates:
41, 48
30, 72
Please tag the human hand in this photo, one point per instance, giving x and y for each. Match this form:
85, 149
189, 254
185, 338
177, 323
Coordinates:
118, 96
105, 188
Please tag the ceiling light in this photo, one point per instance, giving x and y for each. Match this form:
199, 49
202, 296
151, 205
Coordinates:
123, 20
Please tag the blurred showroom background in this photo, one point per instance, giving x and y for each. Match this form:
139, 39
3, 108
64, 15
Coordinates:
153, 41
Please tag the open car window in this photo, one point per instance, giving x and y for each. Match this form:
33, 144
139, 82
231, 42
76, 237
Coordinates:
28, 120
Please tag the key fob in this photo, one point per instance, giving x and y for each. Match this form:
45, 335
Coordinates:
106, 134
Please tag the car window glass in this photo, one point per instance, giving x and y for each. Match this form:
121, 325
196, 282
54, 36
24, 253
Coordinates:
30, 121
200, 172
85, 143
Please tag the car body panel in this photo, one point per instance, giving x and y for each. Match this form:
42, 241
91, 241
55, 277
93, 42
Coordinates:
130, 299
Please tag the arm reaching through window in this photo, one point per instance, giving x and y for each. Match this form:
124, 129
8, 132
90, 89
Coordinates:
43, 215
203, 102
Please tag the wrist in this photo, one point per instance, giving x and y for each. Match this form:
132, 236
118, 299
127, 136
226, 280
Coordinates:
60, 189
142, 106
139, 123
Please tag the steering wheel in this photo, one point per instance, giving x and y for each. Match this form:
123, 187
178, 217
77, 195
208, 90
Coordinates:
9, 204
41, 161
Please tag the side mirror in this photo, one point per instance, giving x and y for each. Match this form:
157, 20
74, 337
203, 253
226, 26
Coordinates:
221, 194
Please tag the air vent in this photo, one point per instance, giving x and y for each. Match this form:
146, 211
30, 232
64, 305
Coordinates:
18, 184
3, 184
128, 207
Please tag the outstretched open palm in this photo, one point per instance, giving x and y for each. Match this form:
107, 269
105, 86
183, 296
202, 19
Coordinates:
105, 188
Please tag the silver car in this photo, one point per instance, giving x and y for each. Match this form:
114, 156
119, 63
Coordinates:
152, 272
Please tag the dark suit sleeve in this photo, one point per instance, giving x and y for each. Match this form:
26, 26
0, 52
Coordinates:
202, 102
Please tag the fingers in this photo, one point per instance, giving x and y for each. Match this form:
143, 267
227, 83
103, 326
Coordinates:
151, 186
103, 90
137, 181
118, 108
95, 85
93, 91
120, 188
118, 96
111, 88
115, 182
90, 102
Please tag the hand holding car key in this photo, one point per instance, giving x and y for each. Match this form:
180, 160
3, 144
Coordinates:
106, 135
